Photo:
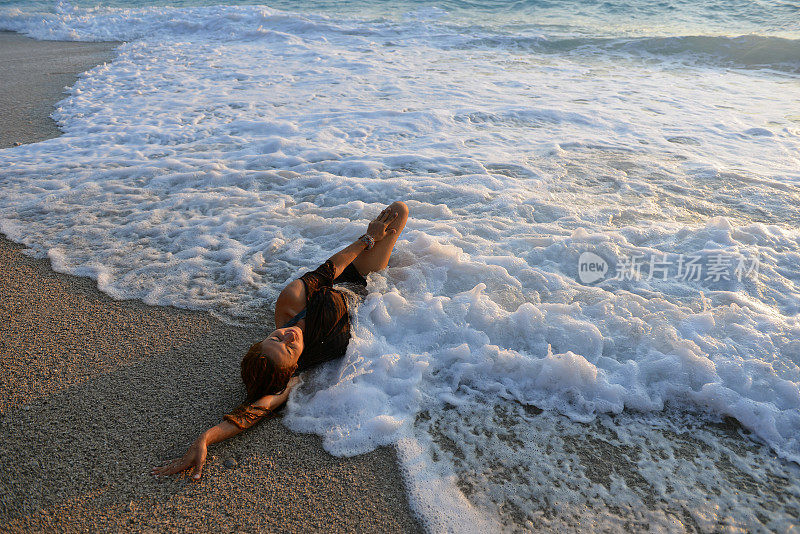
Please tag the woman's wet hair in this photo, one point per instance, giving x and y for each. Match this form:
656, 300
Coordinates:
262, 376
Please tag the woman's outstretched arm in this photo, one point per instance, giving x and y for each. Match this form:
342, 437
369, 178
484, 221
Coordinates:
195, 457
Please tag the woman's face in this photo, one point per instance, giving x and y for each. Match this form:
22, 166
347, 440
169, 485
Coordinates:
284, 345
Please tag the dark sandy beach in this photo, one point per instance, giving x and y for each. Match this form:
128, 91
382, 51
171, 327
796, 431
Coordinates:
94, 392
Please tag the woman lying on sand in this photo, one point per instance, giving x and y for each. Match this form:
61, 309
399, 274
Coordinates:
316, 328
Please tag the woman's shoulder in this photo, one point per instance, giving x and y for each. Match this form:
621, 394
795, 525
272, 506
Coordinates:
291, 301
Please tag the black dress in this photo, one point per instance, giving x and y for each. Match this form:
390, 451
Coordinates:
327, 330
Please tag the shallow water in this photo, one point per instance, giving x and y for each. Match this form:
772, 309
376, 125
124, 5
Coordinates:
227, 147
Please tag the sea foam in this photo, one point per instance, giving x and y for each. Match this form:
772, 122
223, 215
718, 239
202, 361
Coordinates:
227, 149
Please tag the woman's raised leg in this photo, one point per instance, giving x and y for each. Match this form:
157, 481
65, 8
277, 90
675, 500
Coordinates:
377, 257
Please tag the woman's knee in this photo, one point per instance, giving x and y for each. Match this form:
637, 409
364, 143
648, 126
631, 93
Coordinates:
399, 207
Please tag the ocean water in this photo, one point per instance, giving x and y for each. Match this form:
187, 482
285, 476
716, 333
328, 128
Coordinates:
591, 320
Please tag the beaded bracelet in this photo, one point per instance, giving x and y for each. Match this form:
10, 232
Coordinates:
368, 240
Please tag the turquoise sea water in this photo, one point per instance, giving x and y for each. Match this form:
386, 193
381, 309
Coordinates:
770, 17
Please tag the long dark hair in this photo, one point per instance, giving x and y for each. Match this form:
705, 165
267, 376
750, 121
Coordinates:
261, 376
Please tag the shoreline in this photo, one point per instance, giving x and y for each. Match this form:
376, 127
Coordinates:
96, 391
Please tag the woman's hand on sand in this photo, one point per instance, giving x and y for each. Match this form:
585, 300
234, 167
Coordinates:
377, 228
194, 457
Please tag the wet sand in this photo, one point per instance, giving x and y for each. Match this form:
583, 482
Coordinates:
94, 392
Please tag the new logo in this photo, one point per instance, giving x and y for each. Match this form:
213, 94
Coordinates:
591, 268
